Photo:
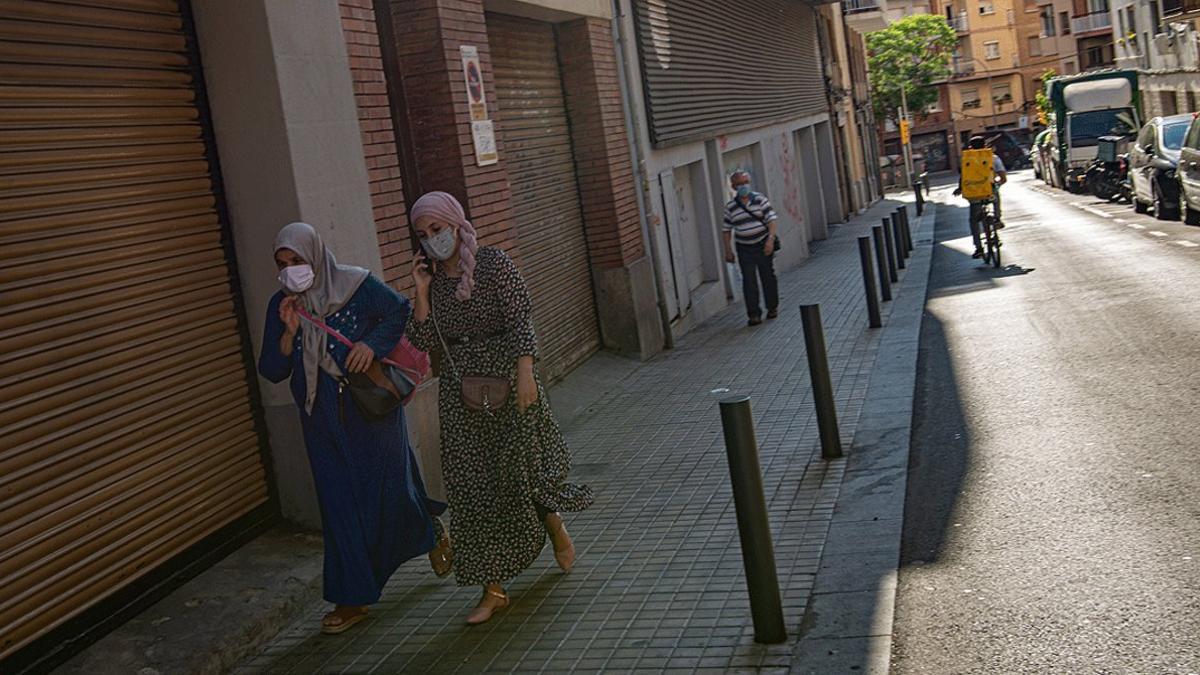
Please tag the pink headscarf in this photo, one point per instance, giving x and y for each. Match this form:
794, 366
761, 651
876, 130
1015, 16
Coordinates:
444, 207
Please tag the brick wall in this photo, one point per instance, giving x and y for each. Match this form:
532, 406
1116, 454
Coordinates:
602, 160
428, 36
378, 139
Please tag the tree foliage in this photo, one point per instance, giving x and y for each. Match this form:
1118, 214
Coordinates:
910, 55
1042, 100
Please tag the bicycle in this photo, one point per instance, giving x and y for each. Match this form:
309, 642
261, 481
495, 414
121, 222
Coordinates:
989, 226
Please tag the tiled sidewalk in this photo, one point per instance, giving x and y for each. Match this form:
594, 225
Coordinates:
659, 582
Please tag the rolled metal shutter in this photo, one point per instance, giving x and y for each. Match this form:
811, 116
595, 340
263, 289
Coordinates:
126, 423
541, 169
709, 67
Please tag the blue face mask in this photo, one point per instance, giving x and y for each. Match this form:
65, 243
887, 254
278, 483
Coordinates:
743, 190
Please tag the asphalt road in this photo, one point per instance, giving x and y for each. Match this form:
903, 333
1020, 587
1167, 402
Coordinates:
1052, 522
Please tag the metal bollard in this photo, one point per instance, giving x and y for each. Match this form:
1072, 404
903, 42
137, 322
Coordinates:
758, 553
920, 199
898, 242
818, 369
901, 222
885, 289
890, 249
864, 257
908, 240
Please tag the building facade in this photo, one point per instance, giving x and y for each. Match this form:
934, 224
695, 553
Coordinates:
1160, 40
707, 96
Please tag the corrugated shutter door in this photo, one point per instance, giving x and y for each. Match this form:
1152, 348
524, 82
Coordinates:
126, 423
541, 168
709, 67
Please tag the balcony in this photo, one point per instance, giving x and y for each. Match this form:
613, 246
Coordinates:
959, 23
1091, 23
964, 69
1180, 8
865, 16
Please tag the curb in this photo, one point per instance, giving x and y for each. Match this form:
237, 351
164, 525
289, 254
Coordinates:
848, 624
218, 618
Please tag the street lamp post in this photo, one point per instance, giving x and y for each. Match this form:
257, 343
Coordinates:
904, 143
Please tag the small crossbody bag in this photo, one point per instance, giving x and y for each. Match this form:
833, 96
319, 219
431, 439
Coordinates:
759, 219
479, 392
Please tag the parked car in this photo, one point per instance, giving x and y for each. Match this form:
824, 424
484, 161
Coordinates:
1036, 152
1153, 161
1189, 173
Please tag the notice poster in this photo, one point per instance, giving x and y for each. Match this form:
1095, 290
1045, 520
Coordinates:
473, 75
485, 142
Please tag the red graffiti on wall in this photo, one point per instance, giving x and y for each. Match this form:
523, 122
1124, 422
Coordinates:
792, 203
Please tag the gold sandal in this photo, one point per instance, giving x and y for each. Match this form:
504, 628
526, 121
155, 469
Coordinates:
343, 622
565, 557
483, 614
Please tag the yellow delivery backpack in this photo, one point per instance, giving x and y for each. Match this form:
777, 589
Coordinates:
977, 174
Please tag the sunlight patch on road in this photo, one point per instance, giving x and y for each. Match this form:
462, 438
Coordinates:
1186, 244
1156, 233
1135, 226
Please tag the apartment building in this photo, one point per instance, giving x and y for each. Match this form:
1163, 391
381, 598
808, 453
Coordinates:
1159, 39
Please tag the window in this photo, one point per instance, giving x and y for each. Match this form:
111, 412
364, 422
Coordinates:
986, 7
1047, 21
1155, 17
1173, 135
1131, 20
1070, 68
991, 50
1002, 93
1064, 20
1097, 6
935, 107
1035, 46
970, 98
1095, 56
1193, 136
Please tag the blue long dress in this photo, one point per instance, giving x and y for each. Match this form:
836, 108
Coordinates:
373, 504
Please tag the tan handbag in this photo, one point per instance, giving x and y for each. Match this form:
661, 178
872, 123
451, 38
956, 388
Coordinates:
479, 393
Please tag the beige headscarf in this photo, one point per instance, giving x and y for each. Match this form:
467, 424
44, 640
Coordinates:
333, 286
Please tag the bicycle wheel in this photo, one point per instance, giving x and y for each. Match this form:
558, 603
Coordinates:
995, 247
988, 251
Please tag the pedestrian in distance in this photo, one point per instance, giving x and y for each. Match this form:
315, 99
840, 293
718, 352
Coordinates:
504, 460
375, 514
750, 224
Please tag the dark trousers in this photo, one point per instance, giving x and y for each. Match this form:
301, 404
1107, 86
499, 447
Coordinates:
974, 215
757, 265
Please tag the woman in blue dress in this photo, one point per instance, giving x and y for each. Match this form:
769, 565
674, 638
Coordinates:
374, 510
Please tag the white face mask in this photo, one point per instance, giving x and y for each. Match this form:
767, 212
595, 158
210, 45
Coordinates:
297, 278
441, 245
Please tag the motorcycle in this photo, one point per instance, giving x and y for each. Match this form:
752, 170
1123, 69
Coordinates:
1108, 175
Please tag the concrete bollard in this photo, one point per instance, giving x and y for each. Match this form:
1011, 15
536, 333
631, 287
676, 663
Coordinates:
758, 553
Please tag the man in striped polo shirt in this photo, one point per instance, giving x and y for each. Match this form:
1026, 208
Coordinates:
750, 223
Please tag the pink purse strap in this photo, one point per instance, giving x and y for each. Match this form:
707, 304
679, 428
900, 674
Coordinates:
336, 335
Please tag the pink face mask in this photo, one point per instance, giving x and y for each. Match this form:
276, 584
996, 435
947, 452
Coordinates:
297, 278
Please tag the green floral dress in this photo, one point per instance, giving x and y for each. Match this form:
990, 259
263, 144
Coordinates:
499, 468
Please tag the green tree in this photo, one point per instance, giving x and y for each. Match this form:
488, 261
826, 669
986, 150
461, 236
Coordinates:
910, 55
1042, 100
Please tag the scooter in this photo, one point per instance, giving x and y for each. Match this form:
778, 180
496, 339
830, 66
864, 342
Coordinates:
1106, 175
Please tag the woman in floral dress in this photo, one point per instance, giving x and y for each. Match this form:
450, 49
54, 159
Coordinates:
505, 470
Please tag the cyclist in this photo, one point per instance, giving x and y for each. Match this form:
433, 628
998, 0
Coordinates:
1000, 177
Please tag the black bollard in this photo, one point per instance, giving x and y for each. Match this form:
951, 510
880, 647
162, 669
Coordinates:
908, 240
890, 249
920, 199
758, 554
818, 370
898, 242
885, 289
901, 221
864, 257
